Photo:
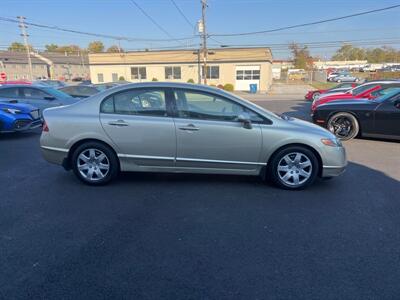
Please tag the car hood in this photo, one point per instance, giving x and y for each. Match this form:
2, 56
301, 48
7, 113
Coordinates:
329, 94
302, 126
25, 108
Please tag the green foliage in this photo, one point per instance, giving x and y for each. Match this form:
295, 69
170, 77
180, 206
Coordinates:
229, 87
190, 80
69, 49
96, 47
121, 78
51, 47
16, 46
301, 57
114, 49
154, 79
372, 55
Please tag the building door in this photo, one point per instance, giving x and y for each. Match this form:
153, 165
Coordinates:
246, 75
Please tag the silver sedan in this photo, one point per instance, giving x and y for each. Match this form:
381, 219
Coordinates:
173, 127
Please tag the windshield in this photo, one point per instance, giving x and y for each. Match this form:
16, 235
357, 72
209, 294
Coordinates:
362, 88
389, 95
56, 93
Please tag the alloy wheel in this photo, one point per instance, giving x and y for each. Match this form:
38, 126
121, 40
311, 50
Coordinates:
294, 169
93, 164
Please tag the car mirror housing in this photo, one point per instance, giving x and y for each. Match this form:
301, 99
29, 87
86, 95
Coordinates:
245, 119
51, 98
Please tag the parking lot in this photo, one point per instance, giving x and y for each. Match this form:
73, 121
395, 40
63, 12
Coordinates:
199, 236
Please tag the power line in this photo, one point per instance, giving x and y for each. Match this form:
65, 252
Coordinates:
153, 21
182, 14
310, 23
107, 36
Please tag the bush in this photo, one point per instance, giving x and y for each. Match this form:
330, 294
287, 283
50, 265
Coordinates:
121, 78
228, 87
154, 79
190, 80
220, 86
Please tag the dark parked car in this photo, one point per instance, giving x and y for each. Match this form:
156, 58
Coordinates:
370, 118
39, 96
80, 91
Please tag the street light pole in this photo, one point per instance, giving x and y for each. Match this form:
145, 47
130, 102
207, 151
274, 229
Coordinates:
25, 36
203, 20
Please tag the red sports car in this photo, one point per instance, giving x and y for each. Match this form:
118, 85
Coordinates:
343, 87
367, 94
15, 82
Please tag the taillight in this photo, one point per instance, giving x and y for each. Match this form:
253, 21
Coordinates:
45, 128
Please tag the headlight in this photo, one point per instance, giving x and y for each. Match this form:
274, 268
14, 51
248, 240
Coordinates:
332, 142
11, 111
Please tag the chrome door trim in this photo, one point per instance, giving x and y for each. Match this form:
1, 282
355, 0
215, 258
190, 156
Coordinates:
220, 161
145, 156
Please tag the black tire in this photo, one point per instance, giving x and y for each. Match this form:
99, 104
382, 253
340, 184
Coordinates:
276, 176
344, 126
315, 96
110, 159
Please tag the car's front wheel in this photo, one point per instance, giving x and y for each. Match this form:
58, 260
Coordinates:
95, 163
343, 125
315, 96
294, 168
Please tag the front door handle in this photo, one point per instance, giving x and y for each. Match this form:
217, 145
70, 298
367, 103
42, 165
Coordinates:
189, 127
119, 123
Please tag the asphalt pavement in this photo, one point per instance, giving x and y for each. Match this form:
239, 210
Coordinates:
175, 236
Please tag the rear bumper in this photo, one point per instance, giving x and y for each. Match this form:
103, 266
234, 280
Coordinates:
54, 155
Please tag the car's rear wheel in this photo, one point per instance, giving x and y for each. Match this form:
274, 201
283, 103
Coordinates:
95, 163
344, 125
315, 96
293, 168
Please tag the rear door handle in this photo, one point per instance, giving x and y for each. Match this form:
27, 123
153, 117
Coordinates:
119, 123
189, 127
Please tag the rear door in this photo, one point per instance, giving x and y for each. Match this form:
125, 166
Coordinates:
139, 123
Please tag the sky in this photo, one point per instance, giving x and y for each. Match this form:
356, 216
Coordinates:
123, 18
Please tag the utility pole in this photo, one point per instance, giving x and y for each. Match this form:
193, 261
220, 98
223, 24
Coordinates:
204, 32
25, 36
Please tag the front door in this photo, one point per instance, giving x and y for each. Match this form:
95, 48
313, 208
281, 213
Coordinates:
138, 123
209, 135
38, 98
387, 118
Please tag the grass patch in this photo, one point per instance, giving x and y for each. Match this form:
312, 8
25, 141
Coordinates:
323, 85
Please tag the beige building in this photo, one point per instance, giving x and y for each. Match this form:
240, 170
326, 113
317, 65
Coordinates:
44, 65
239, 67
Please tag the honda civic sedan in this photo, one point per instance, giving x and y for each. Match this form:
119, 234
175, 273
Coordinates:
186, 128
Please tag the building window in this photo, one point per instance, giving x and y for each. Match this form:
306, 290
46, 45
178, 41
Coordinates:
138, 73
172, 72
100, 77
114, 77
212, 72
248, 74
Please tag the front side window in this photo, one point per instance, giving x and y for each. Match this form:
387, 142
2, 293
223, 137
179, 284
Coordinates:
138, 73
9, 92
148, 102
212, 72
172, 72
197, 105
34, 93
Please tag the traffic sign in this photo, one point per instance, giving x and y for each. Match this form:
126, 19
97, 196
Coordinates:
3, 76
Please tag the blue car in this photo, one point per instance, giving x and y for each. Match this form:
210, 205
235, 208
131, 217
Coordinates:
18, 117
38, 96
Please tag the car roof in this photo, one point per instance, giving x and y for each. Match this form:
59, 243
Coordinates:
21, 86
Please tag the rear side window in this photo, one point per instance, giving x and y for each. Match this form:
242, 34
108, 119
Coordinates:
149, 102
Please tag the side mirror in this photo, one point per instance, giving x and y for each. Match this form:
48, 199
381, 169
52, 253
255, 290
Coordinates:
397, 104
245, 119
51, 98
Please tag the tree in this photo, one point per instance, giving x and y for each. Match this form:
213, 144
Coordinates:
114, 49
69, 49
373, 55
348, 52
301, 57
96, 47
16, 46
51, 47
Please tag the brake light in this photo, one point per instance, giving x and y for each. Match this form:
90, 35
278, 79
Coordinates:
45, 128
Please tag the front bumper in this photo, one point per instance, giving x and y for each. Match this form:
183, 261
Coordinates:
22, 125
334, 161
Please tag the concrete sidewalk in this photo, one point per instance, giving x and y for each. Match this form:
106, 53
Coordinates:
279, 91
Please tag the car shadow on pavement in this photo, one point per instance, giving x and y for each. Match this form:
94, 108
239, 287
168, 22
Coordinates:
19, 135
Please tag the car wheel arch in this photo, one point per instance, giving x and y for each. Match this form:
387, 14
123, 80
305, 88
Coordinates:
277, 150
88, 140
